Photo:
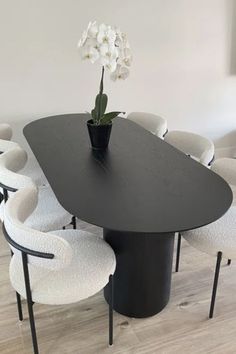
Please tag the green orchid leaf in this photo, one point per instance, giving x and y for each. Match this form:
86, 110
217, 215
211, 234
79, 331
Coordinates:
107, 118
94, 115
101, 104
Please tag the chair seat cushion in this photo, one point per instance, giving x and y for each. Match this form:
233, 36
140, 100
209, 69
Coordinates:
217, 236
92, 262
49, 214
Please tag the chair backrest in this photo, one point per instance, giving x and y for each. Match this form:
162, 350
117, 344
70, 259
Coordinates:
151, 122
12, 161
17, 209
192, 144
226, 168
6, 145
5, 131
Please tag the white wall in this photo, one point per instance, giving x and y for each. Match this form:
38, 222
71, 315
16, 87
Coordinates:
183, 61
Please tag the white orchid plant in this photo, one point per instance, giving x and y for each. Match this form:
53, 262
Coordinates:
110, 47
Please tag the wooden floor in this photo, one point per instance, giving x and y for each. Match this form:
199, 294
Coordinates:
182, 327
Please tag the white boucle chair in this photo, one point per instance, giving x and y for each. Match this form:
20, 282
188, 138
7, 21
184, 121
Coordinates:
49, 214
5, 131
34, 171
57, 268
196, 146
31, 168
199, 148
151, 122
226, 168
217, 239
5, 146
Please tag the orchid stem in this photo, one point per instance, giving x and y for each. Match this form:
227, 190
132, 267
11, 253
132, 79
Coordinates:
101, 82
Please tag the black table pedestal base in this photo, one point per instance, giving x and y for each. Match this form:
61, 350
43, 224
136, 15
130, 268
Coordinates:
142, 279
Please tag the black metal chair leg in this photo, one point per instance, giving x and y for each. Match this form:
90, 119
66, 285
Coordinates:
74, 222
18, 299
214, 290
30, 302
229, 262
110, 310
32, 327
178, 252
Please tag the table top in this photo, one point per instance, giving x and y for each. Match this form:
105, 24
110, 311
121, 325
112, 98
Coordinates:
139, 184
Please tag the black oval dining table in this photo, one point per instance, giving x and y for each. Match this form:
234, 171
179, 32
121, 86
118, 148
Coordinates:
141, 190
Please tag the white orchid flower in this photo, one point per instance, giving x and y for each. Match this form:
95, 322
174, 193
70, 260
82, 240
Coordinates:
118, 37
93, 29
121, 38
109, 56
83, 39
109, 51
90, 32
111, 66
106, 35
92, 42
121, 73
110, 45
103, 27
127, 58
126, 44
90, 53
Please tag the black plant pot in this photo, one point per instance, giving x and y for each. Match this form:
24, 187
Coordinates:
99, 134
